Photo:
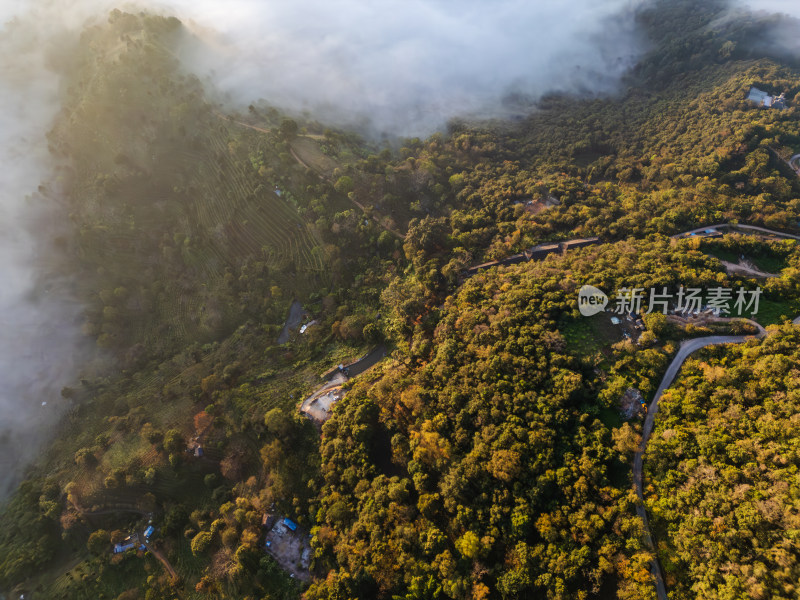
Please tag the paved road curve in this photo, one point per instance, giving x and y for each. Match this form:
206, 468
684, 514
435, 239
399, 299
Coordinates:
687, 348
740, 226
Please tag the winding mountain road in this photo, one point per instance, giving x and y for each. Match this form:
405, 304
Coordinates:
687, 348
734, 226
794, 162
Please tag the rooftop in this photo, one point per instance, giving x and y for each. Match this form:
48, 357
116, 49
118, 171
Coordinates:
765, 99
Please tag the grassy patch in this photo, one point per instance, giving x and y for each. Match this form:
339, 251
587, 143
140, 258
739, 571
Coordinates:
610, 417
771, 311
764, 256
589, 335
721, 253
311, 154
98, 578
769, 264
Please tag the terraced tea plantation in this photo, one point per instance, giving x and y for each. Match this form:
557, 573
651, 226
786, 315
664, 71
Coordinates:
188, 220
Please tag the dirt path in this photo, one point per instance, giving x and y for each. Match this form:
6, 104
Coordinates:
306, 165
163, 559
157, 553
740, 269
242, 123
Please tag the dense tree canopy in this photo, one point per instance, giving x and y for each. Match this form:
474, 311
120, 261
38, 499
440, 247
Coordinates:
486, 456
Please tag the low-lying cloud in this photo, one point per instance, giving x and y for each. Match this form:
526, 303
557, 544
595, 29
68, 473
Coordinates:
405, 67
39, 337
785, 7
782, 37
408, 66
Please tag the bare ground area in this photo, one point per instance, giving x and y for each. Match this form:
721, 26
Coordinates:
290, 549
318, 406
746, 268
296, 314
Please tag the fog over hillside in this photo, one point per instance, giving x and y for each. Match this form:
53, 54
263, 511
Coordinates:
784, 36
409, 66
401, 67
39, 335
404, 67
789, 7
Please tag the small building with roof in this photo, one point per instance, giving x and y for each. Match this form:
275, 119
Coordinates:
764, 99
120, 548
268, 521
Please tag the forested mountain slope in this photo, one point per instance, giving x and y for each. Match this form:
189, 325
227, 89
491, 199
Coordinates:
486, 456
723, 472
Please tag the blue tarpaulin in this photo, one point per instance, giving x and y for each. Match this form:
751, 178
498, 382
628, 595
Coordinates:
121, 548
